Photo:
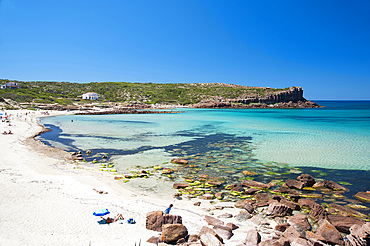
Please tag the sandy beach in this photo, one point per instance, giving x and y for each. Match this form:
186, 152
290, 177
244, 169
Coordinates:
47, 200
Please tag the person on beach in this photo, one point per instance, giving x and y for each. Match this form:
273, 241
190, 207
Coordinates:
111, 220
167, 211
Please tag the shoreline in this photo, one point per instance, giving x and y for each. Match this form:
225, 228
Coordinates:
47, 200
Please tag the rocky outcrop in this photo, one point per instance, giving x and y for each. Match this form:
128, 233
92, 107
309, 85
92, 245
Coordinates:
290, 98
155, 220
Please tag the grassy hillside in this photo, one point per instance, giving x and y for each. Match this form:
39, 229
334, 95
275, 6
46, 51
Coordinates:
65, 93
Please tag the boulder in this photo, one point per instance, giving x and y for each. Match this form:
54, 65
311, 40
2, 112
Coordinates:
282, 227
343, 223
155, 220
251, 191
243, 216
284, 190
154, 240
306, 179
291, 183
262, 197
329, 233
249, 208
360, 235
193, 238
301, 242
292, 233
248, 173
253, 238
207, 230
307, 203
180, 185
301, 221
241, 204
225, 216
197, 204
232, 226
213, 221
346, 211
363, 196
208, 239
276, 209
332, 185
292, 205
171, 233
317, 239
179, 161
318, 212
255, 184
223, 231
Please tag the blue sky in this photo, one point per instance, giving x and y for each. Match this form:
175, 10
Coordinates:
323, 46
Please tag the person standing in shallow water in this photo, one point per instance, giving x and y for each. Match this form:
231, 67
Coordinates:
167, 211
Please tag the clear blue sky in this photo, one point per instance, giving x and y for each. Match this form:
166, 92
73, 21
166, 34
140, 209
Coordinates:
323, 46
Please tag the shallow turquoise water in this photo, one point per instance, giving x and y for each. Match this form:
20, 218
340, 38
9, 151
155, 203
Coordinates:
334, 137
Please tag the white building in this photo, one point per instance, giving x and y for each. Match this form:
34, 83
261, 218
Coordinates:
90, 96
10, 85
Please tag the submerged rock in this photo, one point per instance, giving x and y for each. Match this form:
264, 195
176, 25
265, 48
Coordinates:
291, 183
179, 161
364, 196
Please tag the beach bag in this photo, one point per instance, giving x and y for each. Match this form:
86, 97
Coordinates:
131, 221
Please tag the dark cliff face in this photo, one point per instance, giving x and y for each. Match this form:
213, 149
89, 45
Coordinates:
293, 94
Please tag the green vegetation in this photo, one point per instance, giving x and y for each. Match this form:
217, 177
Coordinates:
65, 93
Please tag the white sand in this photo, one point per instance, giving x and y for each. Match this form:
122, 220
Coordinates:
45, 200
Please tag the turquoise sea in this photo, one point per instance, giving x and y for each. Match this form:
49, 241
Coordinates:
331, 143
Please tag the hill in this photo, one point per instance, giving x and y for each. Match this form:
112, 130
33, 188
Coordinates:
36, 94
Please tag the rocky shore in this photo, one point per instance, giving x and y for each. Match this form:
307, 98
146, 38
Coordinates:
288, 217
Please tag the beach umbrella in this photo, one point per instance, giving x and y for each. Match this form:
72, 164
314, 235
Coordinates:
101, 212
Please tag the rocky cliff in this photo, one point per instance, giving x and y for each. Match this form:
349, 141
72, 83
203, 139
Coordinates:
289, 98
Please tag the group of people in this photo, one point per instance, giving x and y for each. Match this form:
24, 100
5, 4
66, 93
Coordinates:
6, 133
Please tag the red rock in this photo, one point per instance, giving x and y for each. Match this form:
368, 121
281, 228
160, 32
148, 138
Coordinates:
213, 221
179, 161
261, 197
333, 186
210, 240
318, 212
255, 184
291, 183
252, 238
278, 210
206, 230
364, 196
232, 226
329, 233
155, 220
223, 231
282, 227
301, 221
307, 180
180, 185
343, 223
171, 233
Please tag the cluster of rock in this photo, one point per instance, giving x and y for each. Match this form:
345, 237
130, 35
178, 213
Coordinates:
300, 220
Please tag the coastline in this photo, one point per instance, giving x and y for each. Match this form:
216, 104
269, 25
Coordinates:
46, 199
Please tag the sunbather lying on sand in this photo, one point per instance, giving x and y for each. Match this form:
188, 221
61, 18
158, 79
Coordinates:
111, 220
